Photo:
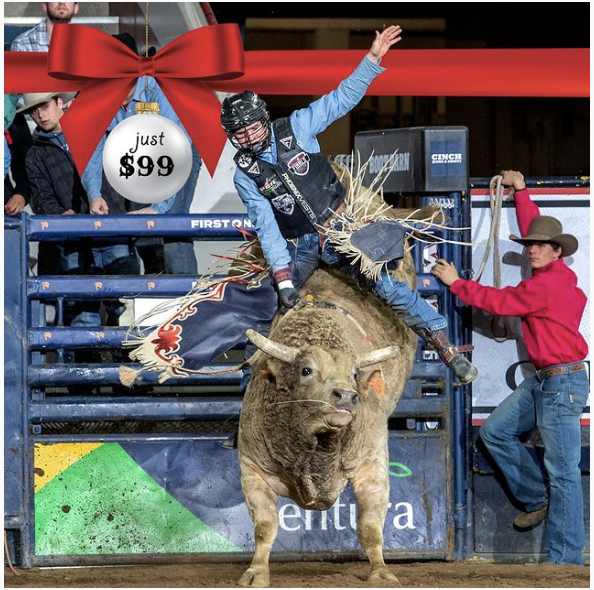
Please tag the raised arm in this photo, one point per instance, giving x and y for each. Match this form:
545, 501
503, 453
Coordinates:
383, 41
526, 209
312, 120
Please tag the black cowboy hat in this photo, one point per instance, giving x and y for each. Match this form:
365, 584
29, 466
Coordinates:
130, 42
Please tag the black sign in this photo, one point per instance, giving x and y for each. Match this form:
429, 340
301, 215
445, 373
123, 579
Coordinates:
415, 159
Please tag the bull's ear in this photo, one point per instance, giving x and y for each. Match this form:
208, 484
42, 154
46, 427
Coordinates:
372, 382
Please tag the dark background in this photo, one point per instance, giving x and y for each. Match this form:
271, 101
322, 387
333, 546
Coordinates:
492, 24
540, 136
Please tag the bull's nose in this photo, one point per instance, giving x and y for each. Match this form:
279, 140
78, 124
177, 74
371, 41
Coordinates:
346, 398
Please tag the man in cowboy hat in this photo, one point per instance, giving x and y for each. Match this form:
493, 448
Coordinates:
56, 189
54, 185
550, 305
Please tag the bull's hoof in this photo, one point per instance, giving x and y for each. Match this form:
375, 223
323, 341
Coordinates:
254, 578
383, 575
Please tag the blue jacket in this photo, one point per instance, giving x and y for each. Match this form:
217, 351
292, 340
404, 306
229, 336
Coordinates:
6, 157
93, 175
307, 123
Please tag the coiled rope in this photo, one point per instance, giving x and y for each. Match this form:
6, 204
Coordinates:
499, 324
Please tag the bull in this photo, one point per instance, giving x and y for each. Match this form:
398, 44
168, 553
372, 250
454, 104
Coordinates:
315, 413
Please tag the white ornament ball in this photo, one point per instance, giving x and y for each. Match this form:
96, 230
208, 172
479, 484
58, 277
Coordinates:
147, 158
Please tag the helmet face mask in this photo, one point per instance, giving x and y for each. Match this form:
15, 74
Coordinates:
240, 114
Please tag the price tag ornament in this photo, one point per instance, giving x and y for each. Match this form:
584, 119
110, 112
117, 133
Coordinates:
147, 158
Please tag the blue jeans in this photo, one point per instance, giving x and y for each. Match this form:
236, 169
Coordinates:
179, 254
554, 405
75, 259
407, 303
114, 259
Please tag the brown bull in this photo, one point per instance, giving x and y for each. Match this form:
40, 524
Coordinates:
315, 412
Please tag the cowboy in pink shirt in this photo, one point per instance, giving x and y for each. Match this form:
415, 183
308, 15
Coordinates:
551, 306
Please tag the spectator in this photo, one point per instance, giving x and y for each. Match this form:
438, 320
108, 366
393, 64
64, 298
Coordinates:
38, 38
57, 190
17, 138
179, 256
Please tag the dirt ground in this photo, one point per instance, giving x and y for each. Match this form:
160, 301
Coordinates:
306, 575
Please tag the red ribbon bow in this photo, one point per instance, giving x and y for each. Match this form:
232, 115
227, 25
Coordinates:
110, 69
211, 58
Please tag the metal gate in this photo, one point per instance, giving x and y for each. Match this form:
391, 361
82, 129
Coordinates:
94, 474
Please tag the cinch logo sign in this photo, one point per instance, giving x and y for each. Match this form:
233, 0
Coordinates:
446, 158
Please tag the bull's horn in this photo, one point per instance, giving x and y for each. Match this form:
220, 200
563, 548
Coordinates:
275, 349
376, 356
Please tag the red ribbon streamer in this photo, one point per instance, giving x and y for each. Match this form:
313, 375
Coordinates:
195, 64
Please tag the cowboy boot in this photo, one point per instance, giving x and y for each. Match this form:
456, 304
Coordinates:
449, 354
528, 520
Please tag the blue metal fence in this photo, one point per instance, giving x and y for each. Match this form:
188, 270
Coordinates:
32, 407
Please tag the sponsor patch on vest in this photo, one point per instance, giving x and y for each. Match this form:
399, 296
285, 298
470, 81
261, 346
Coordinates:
284, 203
271, 184
287, 142
254, 169
299, 164
244, 160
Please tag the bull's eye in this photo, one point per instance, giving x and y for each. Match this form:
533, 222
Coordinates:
355, 375
306, 371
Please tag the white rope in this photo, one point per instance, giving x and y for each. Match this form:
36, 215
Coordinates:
498, 323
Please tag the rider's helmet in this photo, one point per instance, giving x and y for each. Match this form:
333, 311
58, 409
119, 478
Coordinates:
242, 110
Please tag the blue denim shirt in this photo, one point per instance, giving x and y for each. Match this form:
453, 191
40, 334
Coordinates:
307, 123
93, 175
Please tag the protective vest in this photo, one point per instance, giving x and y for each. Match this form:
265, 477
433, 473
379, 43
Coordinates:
302, 187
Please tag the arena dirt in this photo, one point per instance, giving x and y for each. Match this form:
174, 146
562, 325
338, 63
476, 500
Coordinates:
306, 575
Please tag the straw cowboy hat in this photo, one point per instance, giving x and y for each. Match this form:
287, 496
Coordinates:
548, 229
34, 99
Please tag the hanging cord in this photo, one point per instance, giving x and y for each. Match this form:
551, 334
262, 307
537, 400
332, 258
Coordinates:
499, 324
7, 553
146, 44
